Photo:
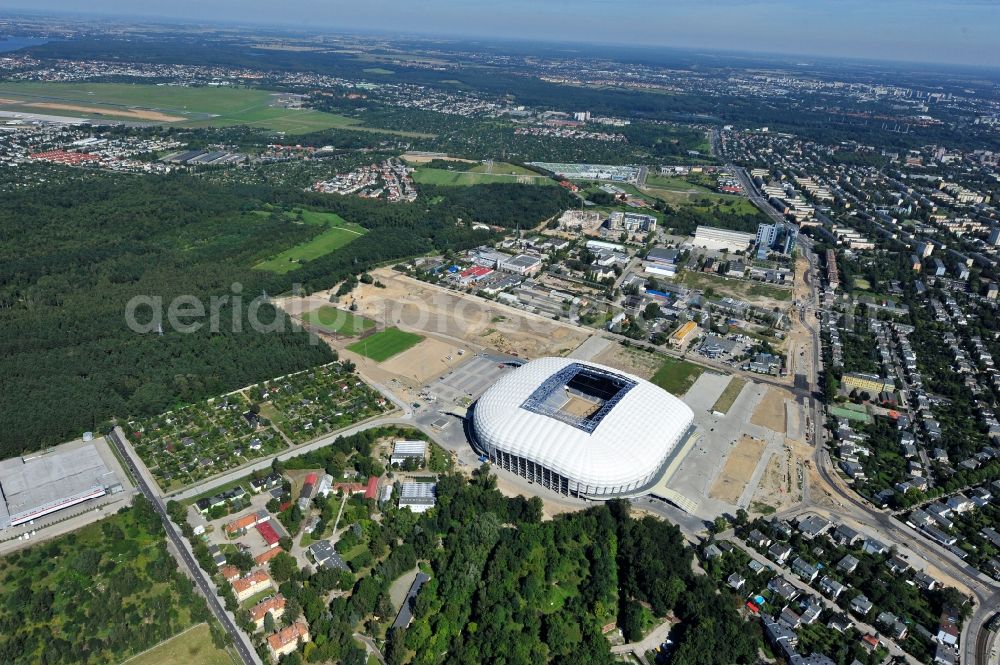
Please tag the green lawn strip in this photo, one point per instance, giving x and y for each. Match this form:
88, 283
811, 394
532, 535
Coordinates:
729, 395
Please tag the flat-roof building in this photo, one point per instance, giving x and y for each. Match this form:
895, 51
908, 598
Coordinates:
418, 497
404, 450
711, 237
35, 486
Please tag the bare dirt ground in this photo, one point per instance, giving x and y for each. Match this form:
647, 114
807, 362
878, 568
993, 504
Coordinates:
552, 504
799, 338
777, 487
424, 361
770, 413
641, 363
736, 472
138, 114
452, 316
423, 159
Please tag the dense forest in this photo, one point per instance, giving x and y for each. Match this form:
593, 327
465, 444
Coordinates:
507, 587
71, 261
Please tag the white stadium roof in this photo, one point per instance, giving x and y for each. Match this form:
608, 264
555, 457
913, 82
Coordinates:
613, 441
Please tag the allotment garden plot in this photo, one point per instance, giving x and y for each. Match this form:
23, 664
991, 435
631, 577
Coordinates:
187, 445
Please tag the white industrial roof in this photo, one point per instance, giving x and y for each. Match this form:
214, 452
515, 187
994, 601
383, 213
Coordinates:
629, 443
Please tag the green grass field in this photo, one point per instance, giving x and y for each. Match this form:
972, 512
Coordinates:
674, 183
385, 344
193, 647
178, 106
737, 288
338, 321
850, 414
676, 376
338, 234
729, 395
426, 176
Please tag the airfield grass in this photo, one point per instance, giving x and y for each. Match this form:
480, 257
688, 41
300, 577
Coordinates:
503, 168
338, 234
385, 344
197, 106
676, 376
193, 647
426, 176
338, 321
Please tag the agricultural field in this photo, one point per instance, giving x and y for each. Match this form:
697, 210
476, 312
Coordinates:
192, 647
175, 105
97, 595
430, 176
190, 444
676, 376
337, 321
338, 233
385, 344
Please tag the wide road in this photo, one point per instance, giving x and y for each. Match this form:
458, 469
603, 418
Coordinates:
185, 558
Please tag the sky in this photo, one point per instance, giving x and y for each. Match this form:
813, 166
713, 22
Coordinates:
940, 31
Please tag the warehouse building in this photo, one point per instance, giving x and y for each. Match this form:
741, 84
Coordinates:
33, 487
710, 237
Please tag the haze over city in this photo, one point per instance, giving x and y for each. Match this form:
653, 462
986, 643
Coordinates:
946, 31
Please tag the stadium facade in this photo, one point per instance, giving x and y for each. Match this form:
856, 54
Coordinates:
579, 428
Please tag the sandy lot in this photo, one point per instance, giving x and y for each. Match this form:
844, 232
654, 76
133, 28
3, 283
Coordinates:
778, 485
424, 361
463, 320
770, 413
138, 114
740, 464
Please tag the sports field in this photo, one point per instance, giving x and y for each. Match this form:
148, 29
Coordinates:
192, 647
384, 345
338, 234
338, 321
426, 176
850, 414
175, 105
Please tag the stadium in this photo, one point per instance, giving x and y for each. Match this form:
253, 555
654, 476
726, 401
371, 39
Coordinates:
579, 428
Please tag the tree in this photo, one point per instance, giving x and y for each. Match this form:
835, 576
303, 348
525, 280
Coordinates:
651, 312
719, 524
741, 517
283, 567
269, 626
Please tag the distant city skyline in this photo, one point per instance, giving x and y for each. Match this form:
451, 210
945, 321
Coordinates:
946, 31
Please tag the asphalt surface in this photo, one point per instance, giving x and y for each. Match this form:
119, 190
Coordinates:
247, 654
